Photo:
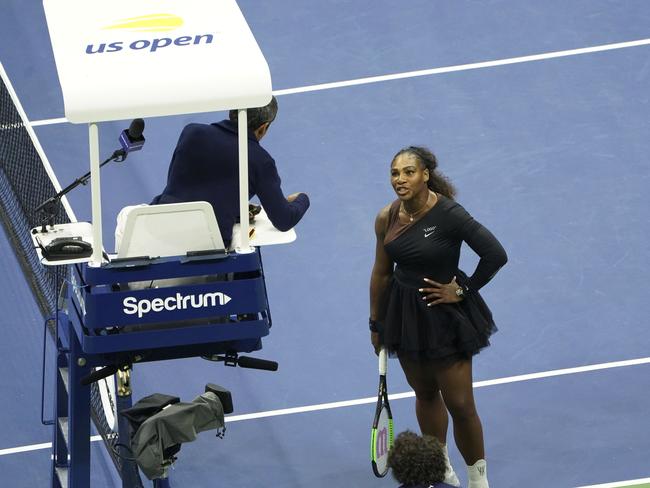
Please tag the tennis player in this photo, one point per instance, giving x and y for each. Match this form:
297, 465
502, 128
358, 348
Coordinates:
426, 311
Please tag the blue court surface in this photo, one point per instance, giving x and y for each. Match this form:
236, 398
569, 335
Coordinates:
550, 153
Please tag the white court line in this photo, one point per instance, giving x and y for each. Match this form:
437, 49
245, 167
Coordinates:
434, 71
466, 67
60, 120
32, 447
618, 483
409, 394
373, 399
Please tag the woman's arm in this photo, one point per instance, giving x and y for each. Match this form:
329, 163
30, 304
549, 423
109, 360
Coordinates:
382, 270
490, 251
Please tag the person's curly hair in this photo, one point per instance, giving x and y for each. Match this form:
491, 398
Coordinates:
417, 460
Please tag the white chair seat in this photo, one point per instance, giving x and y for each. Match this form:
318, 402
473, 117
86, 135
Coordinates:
167, 230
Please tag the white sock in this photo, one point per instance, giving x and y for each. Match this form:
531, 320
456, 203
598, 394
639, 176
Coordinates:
477, 474
450, 474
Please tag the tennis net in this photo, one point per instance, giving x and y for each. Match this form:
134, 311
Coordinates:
25, 182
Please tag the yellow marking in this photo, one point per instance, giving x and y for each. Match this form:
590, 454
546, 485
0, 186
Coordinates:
149, 23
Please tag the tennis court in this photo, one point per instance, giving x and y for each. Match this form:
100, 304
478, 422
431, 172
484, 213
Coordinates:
539, 112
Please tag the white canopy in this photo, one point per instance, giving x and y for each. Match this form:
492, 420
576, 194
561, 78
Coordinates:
122, 59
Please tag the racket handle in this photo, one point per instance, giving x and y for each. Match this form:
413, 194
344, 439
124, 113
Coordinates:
383, 361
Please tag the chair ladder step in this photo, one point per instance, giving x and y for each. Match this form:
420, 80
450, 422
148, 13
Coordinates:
64, 425
63, 371
62, 474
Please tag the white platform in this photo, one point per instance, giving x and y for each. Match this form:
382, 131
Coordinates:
262, 233
75, 229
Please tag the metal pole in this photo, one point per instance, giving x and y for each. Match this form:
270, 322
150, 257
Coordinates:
96, 196
79, 416
244, 245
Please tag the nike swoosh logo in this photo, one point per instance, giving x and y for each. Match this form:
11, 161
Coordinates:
427, 235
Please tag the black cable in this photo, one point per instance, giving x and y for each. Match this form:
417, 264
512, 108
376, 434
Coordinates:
121, 456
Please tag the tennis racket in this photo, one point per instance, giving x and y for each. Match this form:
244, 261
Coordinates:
381, 439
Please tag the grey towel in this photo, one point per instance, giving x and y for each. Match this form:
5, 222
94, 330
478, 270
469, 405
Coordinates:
177, 423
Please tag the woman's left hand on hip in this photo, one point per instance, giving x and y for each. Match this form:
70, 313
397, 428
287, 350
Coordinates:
436, 293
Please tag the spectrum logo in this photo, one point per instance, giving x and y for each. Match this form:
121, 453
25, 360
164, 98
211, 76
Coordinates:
148, 23
132, 306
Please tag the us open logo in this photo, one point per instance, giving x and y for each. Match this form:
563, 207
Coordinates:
149, 23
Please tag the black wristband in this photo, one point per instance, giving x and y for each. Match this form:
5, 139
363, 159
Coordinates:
373, 325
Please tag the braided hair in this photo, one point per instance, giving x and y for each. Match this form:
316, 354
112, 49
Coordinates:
438, 182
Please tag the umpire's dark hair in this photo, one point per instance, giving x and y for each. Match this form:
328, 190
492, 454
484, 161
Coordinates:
258, 116
417, 460
437, 181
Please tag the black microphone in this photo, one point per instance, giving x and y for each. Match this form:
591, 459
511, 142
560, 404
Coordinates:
132, 139
256, 363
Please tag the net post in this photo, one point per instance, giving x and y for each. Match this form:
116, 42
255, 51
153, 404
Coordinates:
96, 197
242, 132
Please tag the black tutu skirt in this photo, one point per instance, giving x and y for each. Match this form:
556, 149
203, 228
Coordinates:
413, 330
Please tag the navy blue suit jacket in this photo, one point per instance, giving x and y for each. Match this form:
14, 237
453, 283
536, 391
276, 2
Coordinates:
205, 167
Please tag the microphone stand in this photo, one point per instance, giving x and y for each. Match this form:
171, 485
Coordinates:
50, 207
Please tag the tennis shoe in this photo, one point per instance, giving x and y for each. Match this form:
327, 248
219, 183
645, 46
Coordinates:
450, 477
450, 474
477, 474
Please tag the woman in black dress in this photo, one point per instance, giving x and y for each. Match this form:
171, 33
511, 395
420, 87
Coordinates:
426, 311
